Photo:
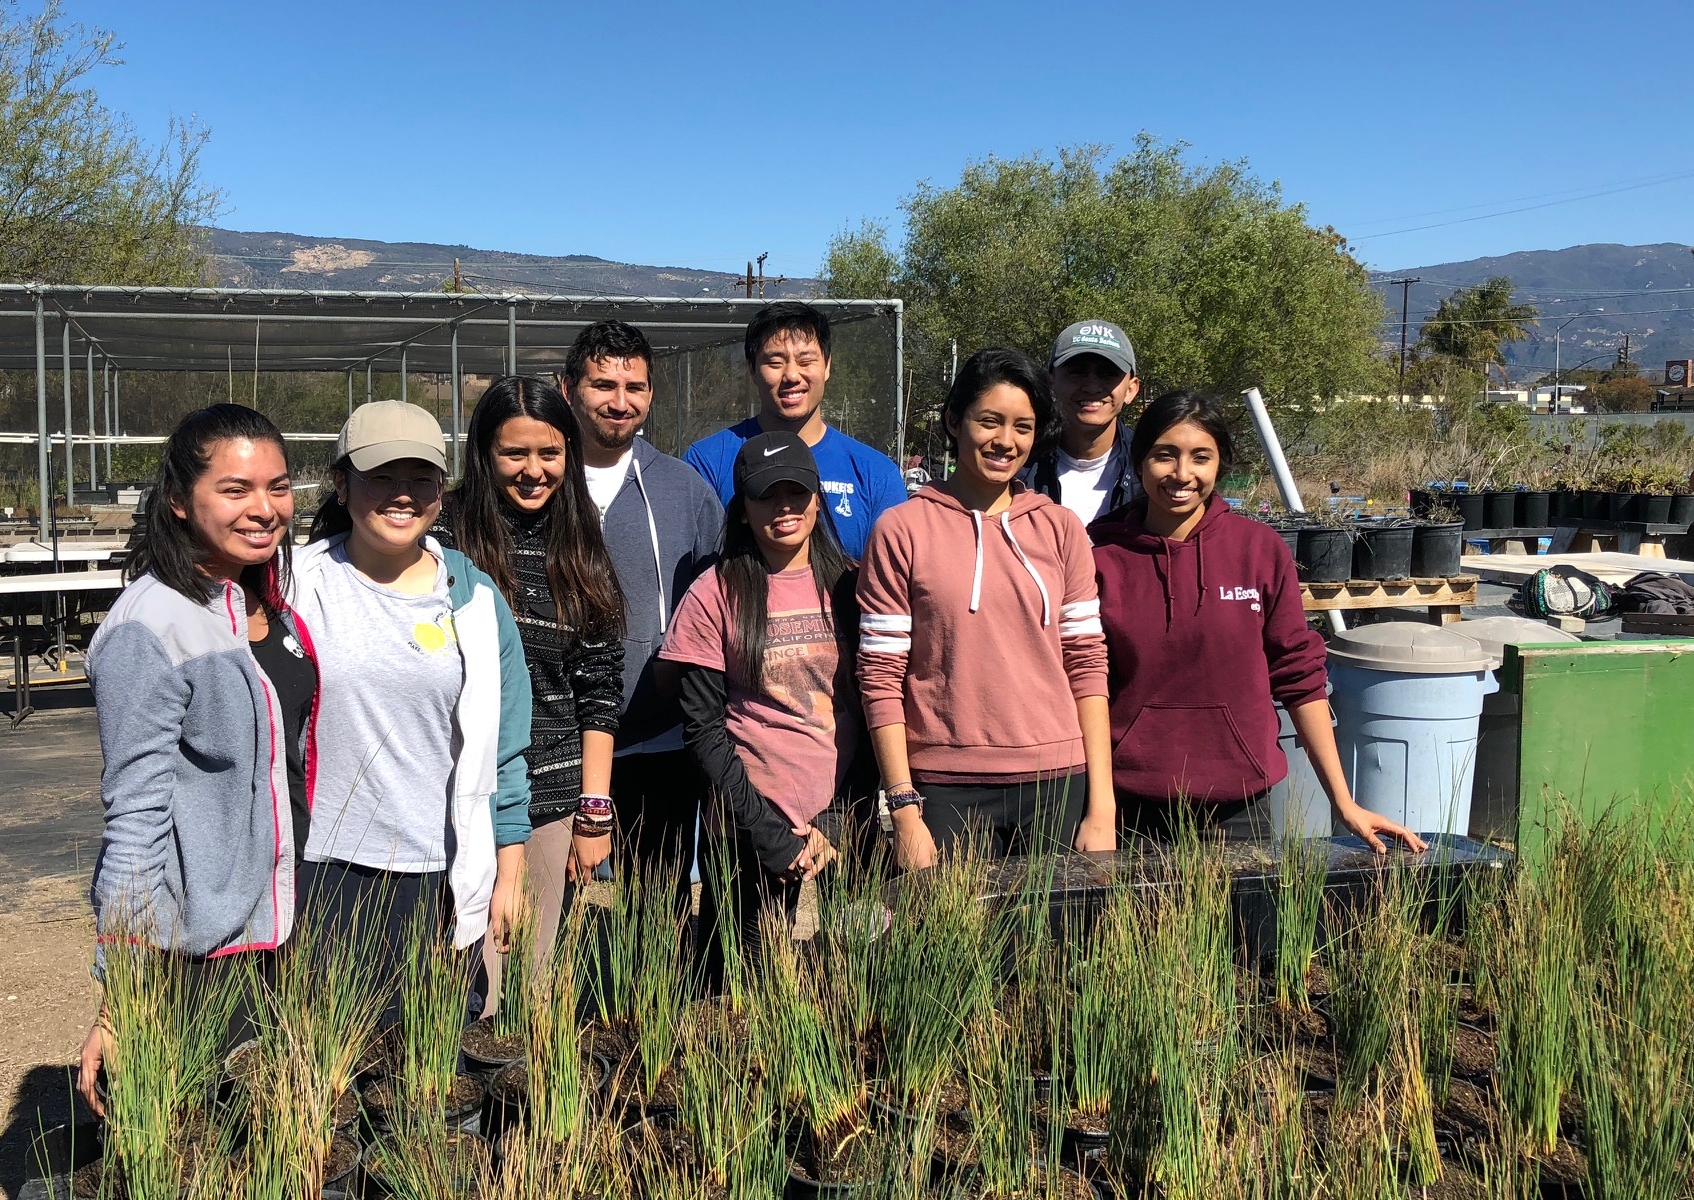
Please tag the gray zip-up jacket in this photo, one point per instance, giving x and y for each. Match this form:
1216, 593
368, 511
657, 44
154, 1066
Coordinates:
661, 529
197, 855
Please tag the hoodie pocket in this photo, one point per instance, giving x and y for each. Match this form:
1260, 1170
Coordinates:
1196, 748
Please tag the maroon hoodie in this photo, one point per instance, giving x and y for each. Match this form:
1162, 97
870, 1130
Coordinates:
1201, 635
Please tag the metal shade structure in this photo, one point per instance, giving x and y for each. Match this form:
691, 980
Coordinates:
105, 331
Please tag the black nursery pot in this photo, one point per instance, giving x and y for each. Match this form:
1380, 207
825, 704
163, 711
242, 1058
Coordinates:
1681, 510
1593, 506
1565, 506
1500, 509
1535, 509
1436, 550
1383, 552
1473, 509
1420, 502
1620, 506
1655, 510
1324, 555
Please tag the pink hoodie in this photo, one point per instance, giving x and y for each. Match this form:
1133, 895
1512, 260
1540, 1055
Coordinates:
980, 634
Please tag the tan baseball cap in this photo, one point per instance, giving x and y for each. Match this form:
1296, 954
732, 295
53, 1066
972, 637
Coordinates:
385, 431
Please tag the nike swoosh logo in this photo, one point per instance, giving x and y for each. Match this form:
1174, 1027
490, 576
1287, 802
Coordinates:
773, 450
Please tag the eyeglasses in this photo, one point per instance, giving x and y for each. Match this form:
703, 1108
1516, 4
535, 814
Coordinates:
424, 488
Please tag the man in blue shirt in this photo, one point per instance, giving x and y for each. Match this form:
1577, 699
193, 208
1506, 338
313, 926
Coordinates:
788, 357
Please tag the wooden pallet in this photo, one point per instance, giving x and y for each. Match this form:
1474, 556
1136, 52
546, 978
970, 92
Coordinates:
1443, 597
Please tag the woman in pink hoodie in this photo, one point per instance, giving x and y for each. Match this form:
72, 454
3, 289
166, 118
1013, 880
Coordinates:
981, 661
1205, 629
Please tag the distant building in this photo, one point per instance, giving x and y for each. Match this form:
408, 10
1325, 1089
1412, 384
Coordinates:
1509, 396
1558, 398
1678, 393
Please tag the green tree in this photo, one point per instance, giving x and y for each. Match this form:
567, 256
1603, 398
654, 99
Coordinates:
1218, 282
83, 198
1472, 324
1622, 394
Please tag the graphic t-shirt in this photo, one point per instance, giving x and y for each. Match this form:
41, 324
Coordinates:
795, 747
860, 483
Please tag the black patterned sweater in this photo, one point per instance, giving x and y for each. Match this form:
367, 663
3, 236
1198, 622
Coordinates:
577, 682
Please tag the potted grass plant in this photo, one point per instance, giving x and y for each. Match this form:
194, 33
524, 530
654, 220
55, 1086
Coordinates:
489, 1044
729, 1104
167, 1021
426, 1086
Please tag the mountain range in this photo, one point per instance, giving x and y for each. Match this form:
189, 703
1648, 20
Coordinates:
291, 260
1589, 298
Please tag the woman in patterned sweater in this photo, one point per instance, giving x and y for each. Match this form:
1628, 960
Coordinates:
522, 514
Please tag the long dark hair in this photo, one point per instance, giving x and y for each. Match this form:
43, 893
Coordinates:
1173, 408
744, 576
585, 586
995, 365
169, 548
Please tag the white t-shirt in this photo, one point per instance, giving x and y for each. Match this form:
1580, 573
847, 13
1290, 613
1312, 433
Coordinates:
604, 483
1085, 484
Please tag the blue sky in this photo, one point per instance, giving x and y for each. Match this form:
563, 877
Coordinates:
701, 134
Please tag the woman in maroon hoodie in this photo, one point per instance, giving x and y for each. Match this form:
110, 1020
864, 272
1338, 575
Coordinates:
981, 663
1204, 629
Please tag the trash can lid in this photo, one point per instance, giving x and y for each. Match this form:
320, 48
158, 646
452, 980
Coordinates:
1494, 634
1411, 648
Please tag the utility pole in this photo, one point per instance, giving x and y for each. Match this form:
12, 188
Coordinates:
760, 281
1405, 286
1623, 354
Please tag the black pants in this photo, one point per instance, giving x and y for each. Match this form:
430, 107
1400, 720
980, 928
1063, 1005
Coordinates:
343, 901
749, 890
1005, 819
1158, 819
656, 798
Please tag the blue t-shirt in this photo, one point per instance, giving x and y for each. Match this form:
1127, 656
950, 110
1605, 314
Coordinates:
859, 483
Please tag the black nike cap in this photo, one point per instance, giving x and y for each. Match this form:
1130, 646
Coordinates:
773, 458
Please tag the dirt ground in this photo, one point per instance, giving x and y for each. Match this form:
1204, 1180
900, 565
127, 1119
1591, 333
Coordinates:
49, 836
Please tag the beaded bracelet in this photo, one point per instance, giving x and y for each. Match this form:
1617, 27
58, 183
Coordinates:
594, 815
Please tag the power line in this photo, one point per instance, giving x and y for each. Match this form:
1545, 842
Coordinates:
1644, 181
1526, 208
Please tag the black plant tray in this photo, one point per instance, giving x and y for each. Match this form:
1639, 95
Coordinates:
1081, 883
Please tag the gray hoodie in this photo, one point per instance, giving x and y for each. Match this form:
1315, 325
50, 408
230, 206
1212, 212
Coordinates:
662, 530
198, 851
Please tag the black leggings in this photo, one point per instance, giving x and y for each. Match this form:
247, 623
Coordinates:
750, 889
1036, 817
1156, 818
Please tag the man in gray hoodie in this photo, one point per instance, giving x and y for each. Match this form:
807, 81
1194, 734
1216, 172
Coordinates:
662, 523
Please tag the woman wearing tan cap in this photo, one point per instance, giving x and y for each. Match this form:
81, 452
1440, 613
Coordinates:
422, 790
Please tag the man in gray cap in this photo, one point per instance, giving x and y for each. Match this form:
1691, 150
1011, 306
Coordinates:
1093, 370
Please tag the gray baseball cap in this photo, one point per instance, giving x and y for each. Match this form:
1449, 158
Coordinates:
386, 431
1094, 337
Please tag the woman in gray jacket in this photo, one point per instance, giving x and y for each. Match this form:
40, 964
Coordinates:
204, 686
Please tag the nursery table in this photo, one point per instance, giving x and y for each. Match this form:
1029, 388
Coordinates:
44, 586
1442, 597
1632, 537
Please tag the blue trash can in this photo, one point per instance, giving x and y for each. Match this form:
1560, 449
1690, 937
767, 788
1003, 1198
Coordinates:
1298, 807
1407, 700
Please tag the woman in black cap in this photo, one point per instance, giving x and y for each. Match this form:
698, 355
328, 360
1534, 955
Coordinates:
765, 641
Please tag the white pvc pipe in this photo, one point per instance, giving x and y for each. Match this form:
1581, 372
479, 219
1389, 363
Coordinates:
1279, 467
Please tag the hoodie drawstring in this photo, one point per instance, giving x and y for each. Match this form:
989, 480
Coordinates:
653, 536
976, 579
1200, 565
1164, 570
1046, 603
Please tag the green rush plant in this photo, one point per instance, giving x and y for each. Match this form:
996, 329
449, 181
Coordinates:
168, 1019
1636, 1052
639, 984
1092, 989
1361, 1155
718, 867
427, 1161
559, 1085
1437, 1015
1002, 1106
1302, 869
1534, 970
853, 917
434, 984
726, 1100
316, 1020
803, 1021
938, 972
1369, 963
517, 968
1415, 1111
1281, 1154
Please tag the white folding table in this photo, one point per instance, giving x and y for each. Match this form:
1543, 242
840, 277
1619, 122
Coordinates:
52, 584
